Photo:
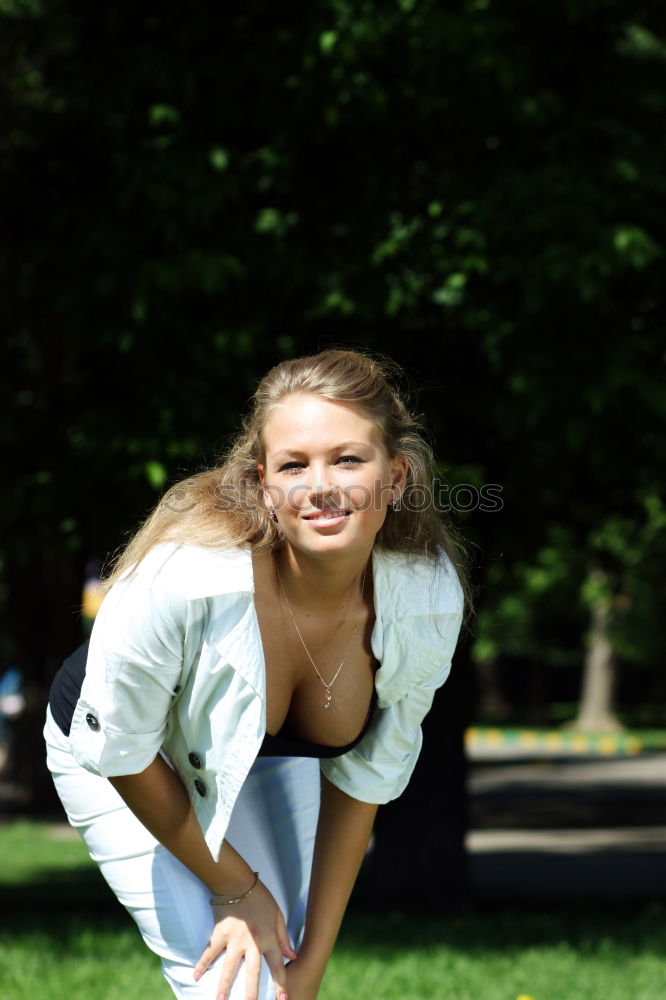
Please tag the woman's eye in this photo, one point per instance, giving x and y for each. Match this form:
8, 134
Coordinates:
291, 467
349, 460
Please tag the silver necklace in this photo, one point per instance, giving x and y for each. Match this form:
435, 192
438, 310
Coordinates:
328, 698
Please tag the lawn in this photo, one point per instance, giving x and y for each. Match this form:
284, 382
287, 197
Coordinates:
63, 937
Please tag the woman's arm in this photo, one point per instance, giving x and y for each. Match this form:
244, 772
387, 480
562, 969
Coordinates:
343, 832
245, 930
158, 798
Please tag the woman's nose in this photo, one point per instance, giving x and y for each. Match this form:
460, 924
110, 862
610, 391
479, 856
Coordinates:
321, 482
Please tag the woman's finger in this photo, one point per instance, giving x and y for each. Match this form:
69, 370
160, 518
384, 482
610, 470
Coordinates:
283, 938
230, 966
209, 953
252, 976
278, 972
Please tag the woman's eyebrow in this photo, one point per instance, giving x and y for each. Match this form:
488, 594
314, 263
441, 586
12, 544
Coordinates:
292, 452
354, 444
341, 446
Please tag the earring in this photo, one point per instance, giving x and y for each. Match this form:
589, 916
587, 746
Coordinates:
273, 514
395, 503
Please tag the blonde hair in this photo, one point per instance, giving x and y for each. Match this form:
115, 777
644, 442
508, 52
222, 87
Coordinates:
223, 506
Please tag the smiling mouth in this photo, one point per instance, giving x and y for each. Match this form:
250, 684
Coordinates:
325, 515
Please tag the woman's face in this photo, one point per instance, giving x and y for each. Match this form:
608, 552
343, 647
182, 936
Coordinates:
327, 474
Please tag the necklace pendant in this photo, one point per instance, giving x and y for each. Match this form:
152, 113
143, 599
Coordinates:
328, 699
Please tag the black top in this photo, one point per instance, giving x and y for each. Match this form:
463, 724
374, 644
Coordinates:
284, 745
66, 690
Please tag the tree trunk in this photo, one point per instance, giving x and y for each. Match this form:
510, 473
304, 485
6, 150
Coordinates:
596, 709
493, 706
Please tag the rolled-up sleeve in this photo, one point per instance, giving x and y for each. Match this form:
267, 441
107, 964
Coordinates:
378, 769
134, 666
417, 651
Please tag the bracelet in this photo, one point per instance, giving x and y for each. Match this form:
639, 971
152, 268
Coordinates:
216, 900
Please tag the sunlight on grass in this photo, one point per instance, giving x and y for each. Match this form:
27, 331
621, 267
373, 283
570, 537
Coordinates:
82, 959
546, 956
31, 849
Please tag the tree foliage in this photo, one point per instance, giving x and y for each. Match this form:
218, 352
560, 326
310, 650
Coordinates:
193, 192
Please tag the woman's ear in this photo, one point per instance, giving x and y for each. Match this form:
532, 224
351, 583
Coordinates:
264, 490
399, 470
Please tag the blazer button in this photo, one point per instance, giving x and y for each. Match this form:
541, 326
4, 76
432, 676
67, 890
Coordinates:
195, 760
200, 787
93, 721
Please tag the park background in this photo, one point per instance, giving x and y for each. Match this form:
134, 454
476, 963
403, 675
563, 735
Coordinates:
477, 189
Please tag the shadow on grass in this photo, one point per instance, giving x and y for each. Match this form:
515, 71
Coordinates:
61, 907
584, 927
77, 889
61, 904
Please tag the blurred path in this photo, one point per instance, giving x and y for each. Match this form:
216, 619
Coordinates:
550, 827
565, 828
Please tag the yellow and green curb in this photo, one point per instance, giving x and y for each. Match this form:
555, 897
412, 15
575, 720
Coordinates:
551, 741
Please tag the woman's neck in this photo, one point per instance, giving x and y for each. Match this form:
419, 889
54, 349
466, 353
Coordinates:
321, 583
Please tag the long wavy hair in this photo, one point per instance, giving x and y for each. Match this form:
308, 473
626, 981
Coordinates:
223, 506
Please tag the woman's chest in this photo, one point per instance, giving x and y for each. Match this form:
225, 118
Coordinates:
319, 676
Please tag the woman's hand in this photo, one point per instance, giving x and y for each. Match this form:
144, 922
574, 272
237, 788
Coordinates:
247, 931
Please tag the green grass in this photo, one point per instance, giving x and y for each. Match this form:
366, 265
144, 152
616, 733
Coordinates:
63, 937
584, 953
33, 851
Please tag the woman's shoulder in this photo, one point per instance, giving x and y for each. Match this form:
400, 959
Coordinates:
192, 571
417, 584
419, 603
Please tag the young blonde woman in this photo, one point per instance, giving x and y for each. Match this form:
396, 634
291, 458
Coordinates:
256, 680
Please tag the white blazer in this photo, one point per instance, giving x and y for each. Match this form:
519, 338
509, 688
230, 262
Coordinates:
176, 665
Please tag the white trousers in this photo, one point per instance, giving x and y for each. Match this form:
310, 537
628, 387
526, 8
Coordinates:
272, 826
